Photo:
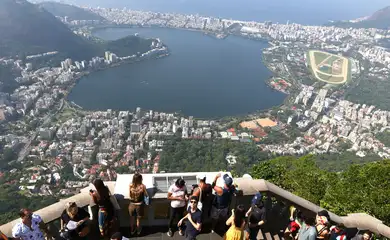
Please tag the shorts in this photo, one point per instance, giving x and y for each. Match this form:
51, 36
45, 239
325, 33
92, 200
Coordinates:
252, 232
217, 213
136, 210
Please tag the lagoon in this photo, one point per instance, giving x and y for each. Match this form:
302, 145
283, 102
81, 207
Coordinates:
204, 77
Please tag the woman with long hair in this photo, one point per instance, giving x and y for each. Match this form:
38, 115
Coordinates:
137, 192
101, 197
236, 223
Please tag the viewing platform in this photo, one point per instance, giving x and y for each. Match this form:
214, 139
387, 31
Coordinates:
277, 202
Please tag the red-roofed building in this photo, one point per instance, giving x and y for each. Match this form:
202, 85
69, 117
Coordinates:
231, 130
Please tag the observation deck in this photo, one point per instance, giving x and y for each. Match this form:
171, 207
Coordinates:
277, 202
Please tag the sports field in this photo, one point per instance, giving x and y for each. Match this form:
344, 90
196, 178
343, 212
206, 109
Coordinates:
328, 67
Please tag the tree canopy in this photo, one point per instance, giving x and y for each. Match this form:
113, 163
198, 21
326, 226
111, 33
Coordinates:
207, 155
360, 188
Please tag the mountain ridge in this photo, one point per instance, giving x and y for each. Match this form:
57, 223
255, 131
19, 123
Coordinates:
29, 29
71, 11
379, 19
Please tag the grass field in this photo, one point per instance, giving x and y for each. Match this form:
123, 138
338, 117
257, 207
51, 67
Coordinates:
330, 60
320, 57
323, 76
324, 68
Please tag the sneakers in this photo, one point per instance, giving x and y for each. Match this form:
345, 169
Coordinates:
139, 230
181, 233
170, 233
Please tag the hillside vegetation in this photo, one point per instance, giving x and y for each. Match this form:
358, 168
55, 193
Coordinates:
360, 188
28, 29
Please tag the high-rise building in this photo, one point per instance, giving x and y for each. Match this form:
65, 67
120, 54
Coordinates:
113, 58
68, 63
138, 113
135, 128
107, 55
191, 121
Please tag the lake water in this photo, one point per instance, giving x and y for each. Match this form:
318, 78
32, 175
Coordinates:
203, 77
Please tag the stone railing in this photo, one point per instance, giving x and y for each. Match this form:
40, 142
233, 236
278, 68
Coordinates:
158, 211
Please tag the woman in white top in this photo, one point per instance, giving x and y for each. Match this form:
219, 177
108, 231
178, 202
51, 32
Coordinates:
177, 193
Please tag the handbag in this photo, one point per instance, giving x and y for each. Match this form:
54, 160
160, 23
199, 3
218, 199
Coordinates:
146, 200
114, 202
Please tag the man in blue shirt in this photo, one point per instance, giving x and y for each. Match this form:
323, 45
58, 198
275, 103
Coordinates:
222, 200
194, 217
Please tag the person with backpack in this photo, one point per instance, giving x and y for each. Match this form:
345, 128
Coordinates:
294, 224
322, 225
338, 232
106, 215
256, 217
137, 194
177, 194
222, 200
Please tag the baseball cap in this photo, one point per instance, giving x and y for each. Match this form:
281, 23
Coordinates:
201, 177
257, 198
228, 180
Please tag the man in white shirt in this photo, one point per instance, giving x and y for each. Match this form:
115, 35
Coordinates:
30, 227
177, 193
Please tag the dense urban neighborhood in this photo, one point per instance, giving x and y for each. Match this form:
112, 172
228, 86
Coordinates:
53, 139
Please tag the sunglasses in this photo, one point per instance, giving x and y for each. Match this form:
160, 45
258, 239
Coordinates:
194, 202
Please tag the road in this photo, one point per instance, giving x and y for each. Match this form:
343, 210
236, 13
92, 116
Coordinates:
46, 120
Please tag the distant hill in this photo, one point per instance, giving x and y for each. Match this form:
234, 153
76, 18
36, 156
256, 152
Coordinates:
73, 12
27, 29
380, 19
128, 46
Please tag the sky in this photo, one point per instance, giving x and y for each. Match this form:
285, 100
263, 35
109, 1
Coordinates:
300, 11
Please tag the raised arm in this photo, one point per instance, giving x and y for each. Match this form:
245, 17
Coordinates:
181, 220
217, 189
230, 220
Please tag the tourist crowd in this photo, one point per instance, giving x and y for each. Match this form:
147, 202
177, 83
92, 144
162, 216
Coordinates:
205, 206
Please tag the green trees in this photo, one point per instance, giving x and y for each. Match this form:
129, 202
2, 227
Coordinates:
9, 209
300, 176
360, 188
207, 155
